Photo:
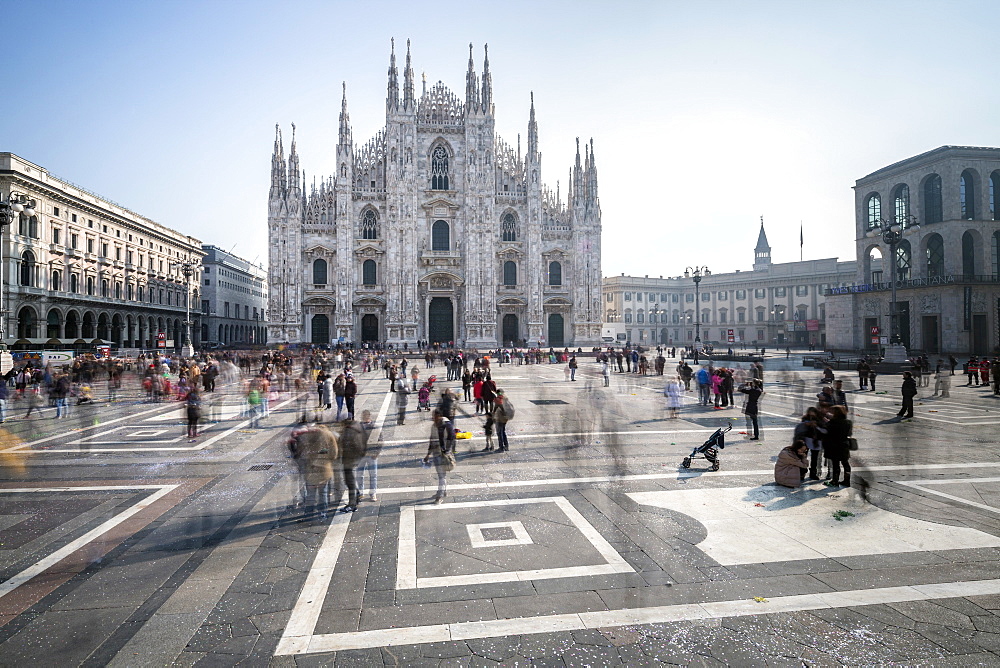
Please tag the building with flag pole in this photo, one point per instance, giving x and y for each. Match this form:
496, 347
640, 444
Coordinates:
774, 304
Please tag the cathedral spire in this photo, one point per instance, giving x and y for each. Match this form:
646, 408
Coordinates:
532, 132
762, 252
592, 172
392, 98
277, 166
293, 168
471, 86
408, 101
487, 82
345, 120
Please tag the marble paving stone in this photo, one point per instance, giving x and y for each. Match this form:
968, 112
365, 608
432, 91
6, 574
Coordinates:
532, 606
436, 613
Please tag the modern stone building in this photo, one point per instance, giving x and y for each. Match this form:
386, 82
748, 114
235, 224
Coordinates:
84, 269
233, 300
948, 277
436, 230
771, 305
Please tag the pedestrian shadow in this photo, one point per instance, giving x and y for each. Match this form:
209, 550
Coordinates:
775, 498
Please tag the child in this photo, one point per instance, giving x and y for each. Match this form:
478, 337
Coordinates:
488, 427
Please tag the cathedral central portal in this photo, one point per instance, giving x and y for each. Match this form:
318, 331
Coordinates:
441, 321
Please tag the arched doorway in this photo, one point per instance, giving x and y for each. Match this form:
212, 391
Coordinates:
25, 323
556, 337
103, 327
511, 332
88, 325
72, 325
440, 321
664, 338
320, 329
369, 328
116, 329
52, 322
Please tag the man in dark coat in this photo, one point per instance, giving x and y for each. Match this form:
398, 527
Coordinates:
753, 391
909, 391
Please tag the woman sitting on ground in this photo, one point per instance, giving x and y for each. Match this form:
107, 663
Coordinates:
792, 464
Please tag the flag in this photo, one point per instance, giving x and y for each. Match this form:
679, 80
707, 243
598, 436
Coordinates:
801, 237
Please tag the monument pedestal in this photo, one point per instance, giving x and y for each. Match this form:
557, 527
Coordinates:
895, 353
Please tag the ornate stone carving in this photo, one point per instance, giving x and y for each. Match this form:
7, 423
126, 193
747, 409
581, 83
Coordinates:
978, 302
872, 306
441, 283
930, 303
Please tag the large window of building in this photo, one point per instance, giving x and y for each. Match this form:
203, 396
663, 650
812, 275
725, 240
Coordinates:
994, 195
874, 208
935, 256
27, 269
903, 260
933, 211
440, 236
901, 203
968, 255
319, 272
555, 274
439, 168
508, 227
509, 274
967, 195
369, 273
369, 224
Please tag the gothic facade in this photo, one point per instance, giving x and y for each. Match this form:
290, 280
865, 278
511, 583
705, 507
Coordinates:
436, 230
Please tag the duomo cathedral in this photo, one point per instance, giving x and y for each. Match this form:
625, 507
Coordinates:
434, 230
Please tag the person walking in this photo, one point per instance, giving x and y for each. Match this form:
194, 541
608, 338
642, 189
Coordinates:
942, 382
863, 370
704, 380
503, 412
606, 373
319, 449
193, 402
368, 463
352, 451
350, 393
672, 391
908, 390
441, 452
753, 391
572, 368
402, 398
339, 384
836, 447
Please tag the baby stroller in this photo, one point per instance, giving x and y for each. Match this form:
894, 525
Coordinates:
430, 382
710, 448
424, 398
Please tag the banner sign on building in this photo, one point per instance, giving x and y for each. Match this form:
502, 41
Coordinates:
812, 325
967, 310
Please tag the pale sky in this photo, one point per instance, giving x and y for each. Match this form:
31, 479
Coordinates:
704, 115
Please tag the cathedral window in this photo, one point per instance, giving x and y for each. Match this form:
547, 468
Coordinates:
508, 227
319, 272
369, 224
439, 169
509, 274
369, 273
440, 236
555, 273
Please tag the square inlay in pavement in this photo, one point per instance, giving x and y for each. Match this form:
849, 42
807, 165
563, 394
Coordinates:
441, 546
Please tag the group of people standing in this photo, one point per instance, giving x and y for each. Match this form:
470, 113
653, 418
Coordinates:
824, 433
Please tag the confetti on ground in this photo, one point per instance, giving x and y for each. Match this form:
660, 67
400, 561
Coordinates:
759, 505
760, 599
841, 514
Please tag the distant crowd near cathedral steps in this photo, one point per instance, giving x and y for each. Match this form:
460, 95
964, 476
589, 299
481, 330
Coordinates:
435, 230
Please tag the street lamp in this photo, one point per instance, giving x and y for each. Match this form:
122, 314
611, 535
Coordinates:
16, 204
892, 233
696, 274
187, 268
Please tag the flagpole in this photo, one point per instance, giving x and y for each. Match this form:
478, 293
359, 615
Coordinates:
802, 241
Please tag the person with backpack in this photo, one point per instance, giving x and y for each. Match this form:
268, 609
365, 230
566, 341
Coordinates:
503, 412
441, 452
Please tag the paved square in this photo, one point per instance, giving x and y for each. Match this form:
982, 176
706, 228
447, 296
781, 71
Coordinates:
982, 493
432, 551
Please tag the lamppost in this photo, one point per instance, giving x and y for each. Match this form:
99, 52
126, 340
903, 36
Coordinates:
654, 314
187, 268
892, 233
696, 274
16, 204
